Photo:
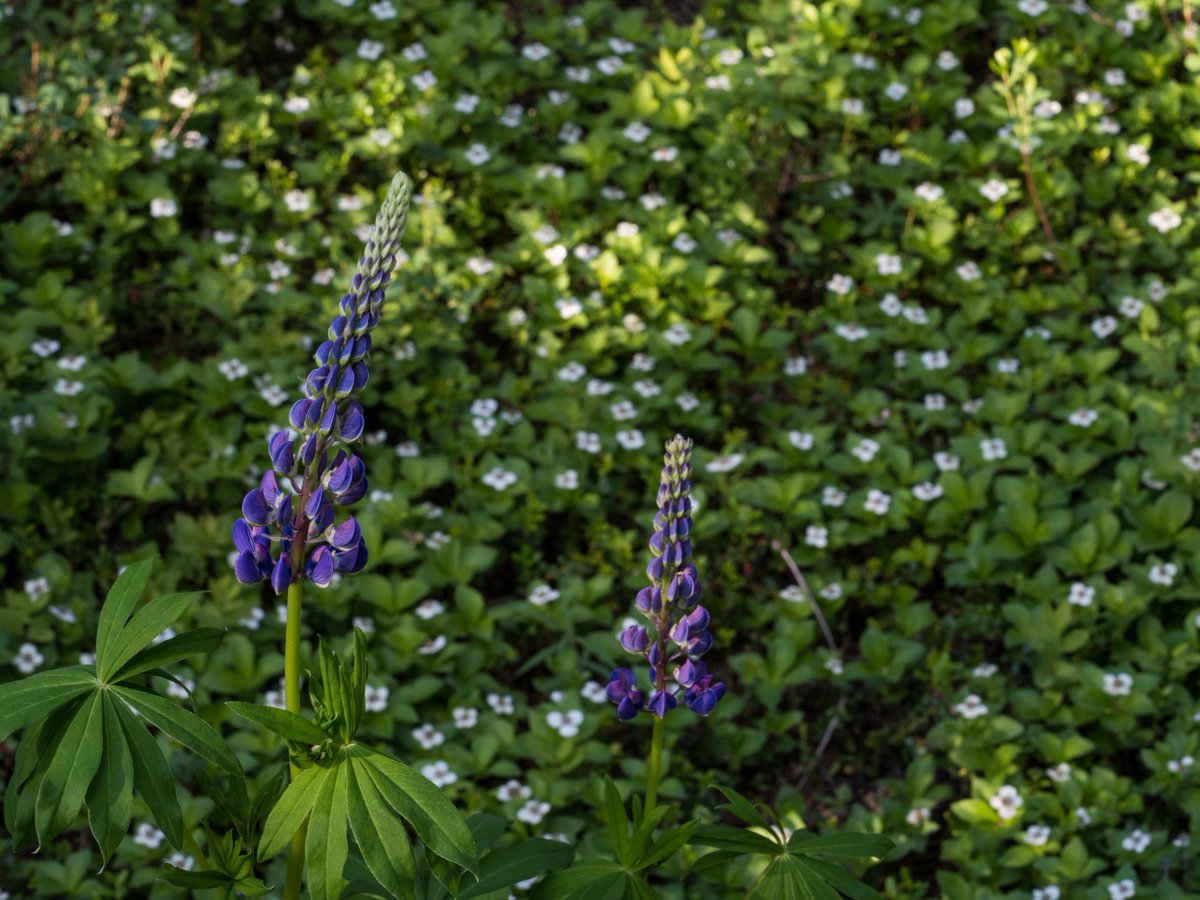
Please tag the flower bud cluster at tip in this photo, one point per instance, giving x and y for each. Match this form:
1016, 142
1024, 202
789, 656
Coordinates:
678, 631
327, 414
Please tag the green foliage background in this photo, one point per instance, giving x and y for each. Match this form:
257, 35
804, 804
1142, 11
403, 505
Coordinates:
825, 196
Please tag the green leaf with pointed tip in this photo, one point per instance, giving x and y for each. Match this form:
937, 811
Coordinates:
379, 835
291, 810
286, 724
70, 770
199, 640
183, 725
28, 700
118, 606
592, 879
503, 868
326, 847
666, 845
147, 623
618, 822
434, 818
742, 808
842, 880
737, 840
110, 796
486, 828
847, 845
152, 776
31, 749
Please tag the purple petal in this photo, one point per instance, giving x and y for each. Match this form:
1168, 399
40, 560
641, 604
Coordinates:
320, 567
255, 508
243, 539
298, 412
353, 422
245, 567
281, 575
346, 535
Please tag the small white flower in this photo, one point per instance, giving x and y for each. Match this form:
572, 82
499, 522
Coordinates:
1081, 594
969, 271
816, 536
993, 449
852, 106
587, 441
1117, 684
425, 80
599, 388
567, 480
501, 704
984, 670
792, 594
1136, 841
889, 157
1033, 8
433, 645
36, 588
1104, 326
636, 132
632, 439
1060, 774
1163, 574
1131, 307
831, 591
45, 347
928, 192
877, 502
376, 699
725, 462
831, 496
687, 401
439, 773
275, 700
513, 790
971, 707
964, 107
994, 189
684, 242
428, 736
181, 861
67, 388
917, 816
1037, 835
677, 334
1083, 418
72, 363
499, 479
1122, 890
533, 811
888, 264
834, 665
297, 105
934, 402
933, 360
296, 200
801, 440
594, 691
840, 284
865, 450
1165, 219
927, 490
28, 659
542, 594
535, 51
1138, 153
795, 365
565, 723
369, 50
148, 836
1006, 801
609, 65
896, 90
477, 154
1047, 109
182, 98
946, 462
163, 208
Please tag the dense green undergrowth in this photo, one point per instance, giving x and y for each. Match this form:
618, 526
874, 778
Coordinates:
918, 280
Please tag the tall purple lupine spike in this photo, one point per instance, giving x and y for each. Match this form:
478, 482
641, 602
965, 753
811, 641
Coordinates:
677, 634
286, 542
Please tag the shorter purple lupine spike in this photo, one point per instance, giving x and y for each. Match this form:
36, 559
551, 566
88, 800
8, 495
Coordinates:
320, 567
281, 575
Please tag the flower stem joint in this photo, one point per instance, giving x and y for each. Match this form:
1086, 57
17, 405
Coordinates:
282, 540
677, 634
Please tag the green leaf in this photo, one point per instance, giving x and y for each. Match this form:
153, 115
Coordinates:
503, 868
152, 776
28, 700
736, 840
666, 845
199, 640
326, 847
291, 810
71, 769
286, 724
618, 822
384, 845
848, 845
592, 879
196, 881
486, 828
110, 797
742, 808
842, 880
183, 725
434, 818
147, 623
118, 606
33, 747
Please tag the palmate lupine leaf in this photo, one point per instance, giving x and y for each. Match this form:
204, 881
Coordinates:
85, 746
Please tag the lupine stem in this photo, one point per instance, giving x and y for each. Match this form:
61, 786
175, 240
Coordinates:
656, 742
291, 696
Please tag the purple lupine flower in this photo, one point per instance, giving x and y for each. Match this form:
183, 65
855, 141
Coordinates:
283, 541
678, 631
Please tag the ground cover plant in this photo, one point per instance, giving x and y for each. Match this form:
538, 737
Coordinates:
916, 279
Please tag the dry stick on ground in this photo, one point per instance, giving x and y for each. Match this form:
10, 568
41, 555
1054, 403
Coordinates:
820, 617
